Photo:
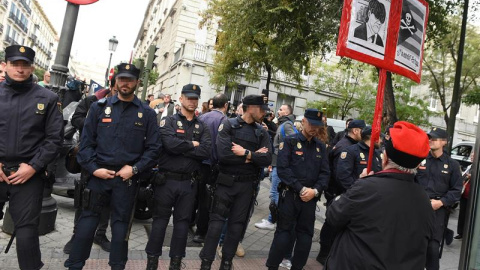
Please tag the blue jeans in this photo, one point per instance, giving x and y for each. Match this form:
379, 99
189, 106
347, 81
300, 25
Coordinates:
273, 189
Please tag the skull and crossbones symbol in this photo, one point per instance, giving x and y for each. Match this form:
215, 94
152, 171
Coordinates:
407, 23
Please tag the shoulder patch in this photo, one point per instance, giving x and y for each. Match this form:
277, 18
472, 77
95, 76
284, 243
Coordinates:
280, 146
162, 123
343, 155
220, 128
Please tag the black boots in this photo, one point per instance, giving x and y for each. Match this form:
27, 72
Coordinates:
152, 262
226, 265
175, 263
206, 264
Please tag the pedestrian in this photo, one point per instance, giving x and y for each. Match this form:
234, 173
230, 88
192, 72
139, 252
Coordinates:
385, 220
46, 79
354, 159
353, 135
209, 167
119, 141
303, 169
341, 134
78, 121
243, 149
330, 131
167, 108
462, 215
31, 125
150, 98
187, 143
210, 104
440, 176
2, 70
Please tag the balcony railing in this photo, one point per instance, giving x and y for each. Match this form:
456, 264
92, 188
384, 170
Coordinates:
1, 28
4, 4
25, 5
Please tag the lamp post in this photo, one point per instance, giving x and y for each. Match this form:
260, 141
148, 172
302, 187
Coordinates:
112, 46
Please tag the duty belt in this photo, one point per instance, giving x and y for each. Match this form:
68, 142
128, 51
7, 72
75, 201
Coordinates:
242, 178
178, 176
115, 168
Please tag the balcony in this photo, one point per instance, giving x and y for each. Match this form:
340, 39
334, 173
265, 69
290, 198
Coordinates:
194, 51
10, 41
1, 28
25, 5
4, 4
33, 37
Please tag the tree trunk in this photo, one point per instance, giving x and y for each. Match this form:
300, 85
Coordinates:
269, 76
389, 110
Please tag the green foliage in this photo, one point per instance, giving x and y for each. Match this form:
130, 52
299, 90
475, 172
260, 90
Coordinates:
440, 64
270, 36
153, 77
39, 72
354, 86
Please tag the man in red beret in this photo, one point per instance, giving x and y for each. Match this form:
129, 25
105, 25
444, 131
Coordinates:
385, 220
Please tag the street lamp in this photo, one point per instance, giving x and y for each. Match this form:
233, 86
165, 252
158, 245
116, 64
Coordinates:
112, 46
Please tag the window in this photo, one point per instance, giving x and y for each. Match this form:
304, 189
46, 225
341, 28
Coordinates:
433, 101
235, 95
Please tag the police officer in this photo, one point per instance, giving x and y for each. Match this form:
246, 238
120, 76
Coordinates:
302, 165
354, 159
31, 131
78, 121
186, 141
352, 136
119, 140
440, 175
243, 148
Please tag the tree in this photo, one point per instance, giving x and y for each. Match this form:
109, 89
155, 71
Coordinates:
440, 64
355, 86
275, 37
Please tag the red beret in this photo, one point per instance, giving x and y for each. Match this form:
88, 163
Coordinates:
408, 144
102, 93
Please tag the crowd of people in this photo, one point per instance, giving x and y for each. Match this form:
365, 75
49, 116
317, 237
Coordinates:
206, 167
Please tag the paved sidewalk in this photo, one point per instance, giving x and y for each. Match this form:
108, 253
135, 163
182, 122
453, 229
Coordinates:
256, 243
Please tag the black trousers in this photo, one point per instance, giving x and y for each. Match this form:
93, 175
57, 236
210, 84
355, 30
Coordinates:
177, 198
235, 201
204, 201
433, 250
296, 222
462, 215
25, 205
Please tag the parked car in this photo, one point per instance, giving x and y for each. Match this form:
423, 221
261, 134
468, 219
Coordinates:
461, 152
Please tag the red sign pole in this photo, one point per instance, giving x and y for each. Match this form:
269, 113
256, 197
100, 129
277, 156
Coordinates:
377, 117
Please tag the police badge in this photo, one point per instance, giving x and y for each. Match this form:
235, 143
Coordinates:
162, 123
220, 127
343, 155
280, 146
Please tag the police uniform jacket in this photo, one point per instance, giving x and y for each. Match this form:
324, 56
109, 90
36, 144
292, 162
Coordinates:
251, 137
31, 124
441, 178
115, 135
353, 160
177, 133
345, 142
302, 163
385, 222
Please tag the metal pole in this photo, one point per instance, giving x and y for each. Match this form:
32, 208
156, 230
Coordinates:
59, 71
108, 69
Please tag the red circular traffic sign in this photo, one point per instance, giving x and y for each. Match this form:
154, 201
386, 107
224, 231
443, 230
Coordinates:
82, 2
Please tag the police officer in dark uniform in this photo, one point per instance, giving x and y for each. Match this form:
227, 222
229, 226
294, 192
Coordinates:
302, 165
244, 148
352, 136
440, 175
354, 159
31, 133
120, 139
186, 142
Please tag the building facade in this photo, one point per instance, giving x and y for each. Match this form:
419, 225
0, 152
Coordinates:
24, 22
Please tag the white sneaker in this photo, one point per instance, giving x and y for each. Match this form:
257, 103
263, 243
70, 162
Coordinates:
265, 225
286, 264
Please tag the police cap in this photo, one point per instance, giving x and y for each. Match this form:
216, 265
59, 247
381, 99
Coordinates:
255, 100
191, 90
356, 123
437, 133
367, 131
128, 70
17, 52
314, 117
